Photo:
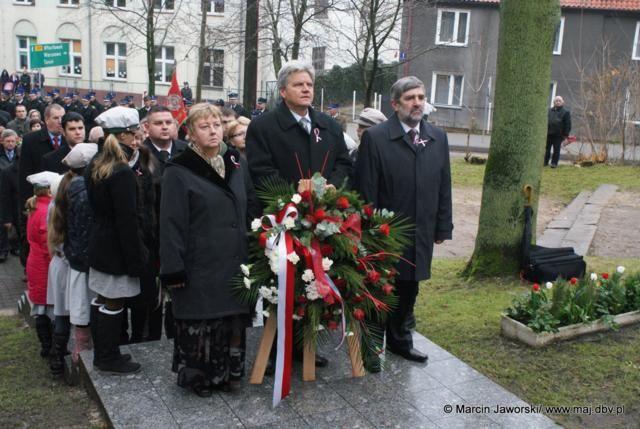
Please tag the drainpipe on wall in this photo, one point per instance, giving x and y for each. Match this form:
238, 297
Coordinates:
90, 45
243, 17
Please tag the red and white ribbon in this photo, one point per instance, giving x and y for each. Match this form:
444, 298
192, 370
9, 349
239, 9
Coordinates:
282, 243
316, 131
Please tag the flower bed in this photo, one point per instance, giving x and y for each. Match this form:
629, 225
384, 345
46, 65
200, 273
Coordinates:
574, 307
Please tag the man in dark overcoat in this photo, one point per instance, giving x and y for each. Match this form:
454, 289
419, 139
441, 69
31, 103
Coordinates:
558, 129
73, 131
403, 166
294, 129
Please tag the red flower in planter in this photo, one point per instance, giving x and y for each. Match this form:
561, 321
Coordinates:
332, 325
373, 276
605, 276
385, 229
340, 283
573, 280
320, 215
387, 289
358, 314
262, 240
357, 298
536, 287
368, 210
342, 203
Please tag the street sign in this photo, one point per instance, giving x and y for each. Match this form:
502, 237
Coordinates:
48, 55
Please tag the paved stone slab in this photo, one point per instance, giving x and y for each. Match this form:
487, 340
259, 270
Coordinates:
569, 214
603, 194
405, 394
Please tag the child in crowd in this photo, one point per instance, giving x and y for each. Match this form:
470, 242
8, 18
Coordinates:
38, 260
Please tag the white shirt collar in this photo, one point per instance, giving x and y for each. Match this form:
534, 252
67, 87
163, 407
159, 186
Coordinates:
406, 128
159, 149
298, 117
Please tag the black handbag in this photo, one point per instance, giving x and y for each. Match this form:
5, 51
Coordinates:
544, 264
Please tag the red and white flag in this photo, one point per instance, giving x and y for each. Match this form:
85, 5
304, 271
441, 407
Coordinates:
174, 100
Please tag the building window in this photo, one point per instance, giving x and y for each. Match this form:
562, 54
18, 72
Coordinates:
165, 64
164, 4
68, 2
636, 43
321, 9
215, 6
214, 68
557, 38
116, 3
24, 2
446, 89
75, 59
317, 57
552, 92
115, 60
23, 51
452, 27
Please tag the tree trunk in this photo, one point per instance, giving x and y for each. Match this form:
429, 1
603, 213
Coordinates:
517, 144
250, 55
202, 49
151, 49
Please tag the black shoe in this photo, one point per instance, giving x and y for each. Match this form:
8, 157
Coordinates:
410, 354
107, 357
554, 165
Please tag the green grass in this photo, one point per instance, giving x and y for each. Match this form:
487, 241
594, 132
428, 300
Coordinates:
29, 397
562, 183
463, 316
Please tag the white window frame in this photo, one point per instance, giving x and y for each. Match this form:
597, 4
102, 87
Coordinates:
636, 43
211, 66
163, 8
456, 22
212, 6
115, 5
165, 64
558, 51
452, 83
72, 54
115, 57
324, 58
68, 3
30, 41
554, 89
23, 2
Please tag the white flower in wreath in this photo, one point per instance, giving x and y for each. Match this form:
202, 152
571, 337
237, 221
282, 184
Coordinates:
326, 264
289, 222
296, 199
620, 269
548, 285
594, 276
247, 282
296, 317
245, 269
308, 276
256, 224
265, 292
312, 291
293, 258
320, 328
265, 313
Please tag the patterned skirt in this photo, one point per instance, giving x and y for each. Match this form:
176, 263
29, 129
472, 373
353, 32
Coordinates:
210, 351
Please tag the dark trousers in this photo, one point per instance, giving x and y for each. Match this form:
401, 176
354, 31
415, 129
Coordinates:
401, 321
554, 141
4, 241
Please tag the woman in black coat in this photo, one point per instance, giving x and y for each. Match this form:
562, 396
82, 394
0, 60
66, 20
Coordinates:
116, 254
206, 194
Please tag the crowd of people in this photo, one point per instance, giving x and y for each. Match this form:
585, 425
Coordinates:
128, 222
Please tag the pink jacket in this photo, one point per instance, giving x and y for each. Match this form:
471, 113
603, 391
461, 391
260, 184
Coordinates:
38, 260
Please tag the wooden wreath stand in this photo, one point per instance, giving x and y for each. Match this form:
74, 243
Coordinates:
309, 355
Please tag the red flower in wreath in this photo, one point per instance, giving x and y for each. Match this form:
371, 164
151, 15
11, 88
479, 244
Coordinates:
340, 283
326, 249
368, 210
387, 289
357, 298
262, 240
573, 280
342, 203
300, 311
305, 195
329, 299
605, 276
536, 287
332, 325
373, 276
301, 299
358, 314
385, 229
320, 215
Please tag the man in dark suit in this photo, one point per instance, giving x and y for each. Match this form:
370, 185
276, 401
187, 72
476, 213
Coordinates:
8, 205
294, 130
159, 127
238, 108
74, 132
403, 166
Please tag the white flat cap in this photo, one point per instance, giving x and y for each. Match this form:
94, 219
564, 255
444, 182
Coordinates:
370, 117
80, 155
44, 179
119, 119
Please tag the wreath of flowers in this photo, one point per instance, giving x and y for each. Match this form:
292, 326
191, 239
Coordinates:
344, 254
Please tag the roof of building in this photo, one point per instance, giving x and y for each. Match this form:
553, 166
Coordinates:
625, 5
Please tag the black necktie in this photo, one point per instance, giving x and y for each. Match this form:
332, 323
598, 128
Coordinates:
164, 155
412, 135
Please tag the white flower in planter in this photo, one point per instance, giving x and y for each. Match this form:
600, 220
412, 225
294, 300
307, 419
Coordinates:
245, 269
548, 285
256, 224
296, 198
620, 269
326, 264
293, 258
247, 282
594, 276
308, 276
